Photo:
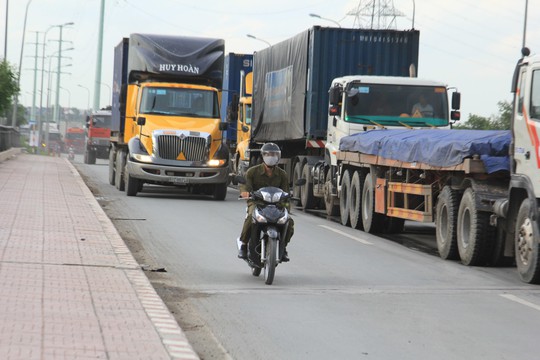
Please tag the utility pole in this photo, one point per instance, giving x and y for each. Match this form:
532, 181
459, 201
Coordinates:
6, 31
33, 110
97, 82
16, 100
56, 113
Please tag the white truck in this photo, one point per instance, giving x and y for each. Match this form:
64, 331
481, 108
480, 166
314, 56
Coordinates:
481, 188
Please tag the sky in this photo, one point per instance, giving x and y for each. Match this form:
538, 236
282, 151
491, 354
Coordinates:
471, 45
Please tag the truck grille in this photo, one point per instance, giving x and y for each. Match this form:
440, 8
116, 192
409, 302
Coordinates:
170, 147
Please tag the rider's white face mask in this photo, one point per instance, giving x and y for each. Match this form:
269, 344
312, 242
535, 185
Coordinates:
270, 160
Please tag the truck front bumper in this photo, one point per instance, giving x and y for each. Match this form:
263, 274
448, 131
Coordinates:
177, 175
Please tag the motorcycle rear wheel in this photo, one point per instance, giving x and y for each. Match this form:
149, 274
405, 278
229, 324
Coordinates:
271, 260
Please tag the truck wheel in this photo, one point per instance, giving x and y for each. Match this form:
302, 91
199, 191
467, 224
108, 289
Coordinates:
297, 190
446, 223
131, 185
332, 207
372, 221
308, 200
120, 163
92, 157
526, 244
355, 194
220, 191
344, 198
472, 231
112, 159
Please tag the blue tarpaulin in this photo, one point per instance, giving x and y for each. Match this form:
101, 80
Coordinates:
436, 147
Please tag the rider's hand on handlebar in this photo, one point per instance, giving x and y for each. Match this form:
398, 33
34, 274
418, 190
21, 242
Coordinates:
244, 194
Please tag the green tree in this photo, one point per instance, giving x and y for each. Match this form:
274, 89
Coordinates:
8, 86
502, 121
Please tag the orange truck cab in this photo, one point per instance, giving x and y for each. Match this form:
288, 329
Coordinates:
98, 126
75, 139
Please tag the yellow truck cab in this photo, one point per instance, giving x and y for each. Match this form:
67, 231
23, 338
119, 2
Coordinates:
166, 127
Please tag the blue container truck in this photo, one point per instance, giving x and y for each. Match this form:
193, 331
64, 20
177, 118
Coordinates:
290, 89
234, 68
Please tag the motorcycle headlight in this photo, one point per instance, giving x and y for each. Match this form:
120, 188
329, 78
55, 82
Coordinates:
282, 220
258, 217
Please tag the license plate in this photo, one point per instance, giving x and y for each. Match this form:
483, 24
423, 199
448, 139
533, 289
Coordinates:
180, 180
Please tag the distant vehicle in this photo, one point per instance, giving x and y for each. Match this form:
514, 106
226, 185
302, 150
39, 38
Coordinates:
98, 133
75, 139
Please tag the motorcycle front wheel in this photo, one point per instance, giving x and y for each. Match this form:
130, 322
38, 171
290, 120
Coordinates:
271, 260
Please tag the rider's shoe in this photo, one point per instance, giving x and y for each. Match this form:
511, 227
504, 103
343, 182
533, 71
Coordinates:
242, 252
285, 256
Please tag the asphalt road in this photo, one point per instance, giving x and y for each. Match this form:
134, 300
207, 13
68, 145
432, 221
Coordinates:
345, 293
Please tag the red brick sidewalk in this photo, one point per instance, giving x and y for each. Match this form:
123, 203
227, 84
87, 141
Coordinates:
69, 287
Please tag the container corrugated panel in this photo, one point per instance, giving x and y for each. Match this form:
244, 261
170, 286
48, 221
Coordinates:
118, 111
335, 52
234, 64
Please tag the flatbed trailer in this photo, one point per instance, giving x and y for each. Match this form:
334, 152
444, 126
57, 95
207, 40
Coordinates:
389, 176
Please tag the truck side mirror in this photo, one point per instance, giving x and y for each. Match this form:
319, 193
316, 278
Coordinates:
455, 115
223, 126
87, 121
335, 96
141, 120
456, 100
232, 113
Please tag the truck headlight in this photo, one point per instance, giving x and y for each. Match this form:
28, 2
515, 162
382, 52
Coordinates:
142, 158
216, 162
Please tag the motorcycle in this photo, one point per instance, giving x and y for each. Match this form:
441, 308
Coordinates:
71, 153
270, 223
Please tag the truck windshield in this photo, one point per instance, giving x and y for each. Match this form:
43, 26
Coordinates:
101, 121
396, 105
74, 136
179, 102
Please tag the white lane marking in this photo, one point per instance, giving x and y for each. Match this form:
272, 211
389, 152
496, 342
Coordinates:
365, 242
521, 301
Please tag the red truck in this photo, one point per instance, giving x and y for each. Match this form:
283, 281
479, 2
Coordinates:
98, 125
75, 139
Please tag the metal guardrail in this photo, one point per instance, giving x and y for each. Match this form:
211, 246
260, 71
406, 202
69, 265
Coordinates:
9, 138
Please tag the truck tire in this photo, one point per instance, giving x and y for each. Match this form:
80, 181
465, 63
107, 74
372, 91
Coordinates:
344, 198
372, 221
472, 231
330, 203
297, 190
112, 161
119, 169
355, 194
220, 191
526, 245
92, 157
307, 198
446, 215
131, 185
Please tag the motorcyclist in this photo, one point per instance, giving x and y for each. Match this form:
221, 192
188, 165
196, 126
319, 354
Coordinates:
265, 174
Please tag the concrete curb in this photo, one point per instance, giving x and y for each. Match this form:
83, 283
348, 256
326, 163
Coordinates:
8, 154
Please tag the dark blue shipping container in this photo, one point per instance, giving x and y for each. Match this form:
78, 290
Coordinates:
234, 64
297, 73
118, 110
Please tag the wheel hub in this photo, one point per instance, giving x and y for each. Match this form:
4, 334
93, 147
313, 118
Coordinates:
525, 241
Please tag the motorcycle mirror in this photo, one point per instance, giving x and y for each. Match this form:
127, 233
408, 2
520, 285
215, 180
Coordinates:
300, 182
